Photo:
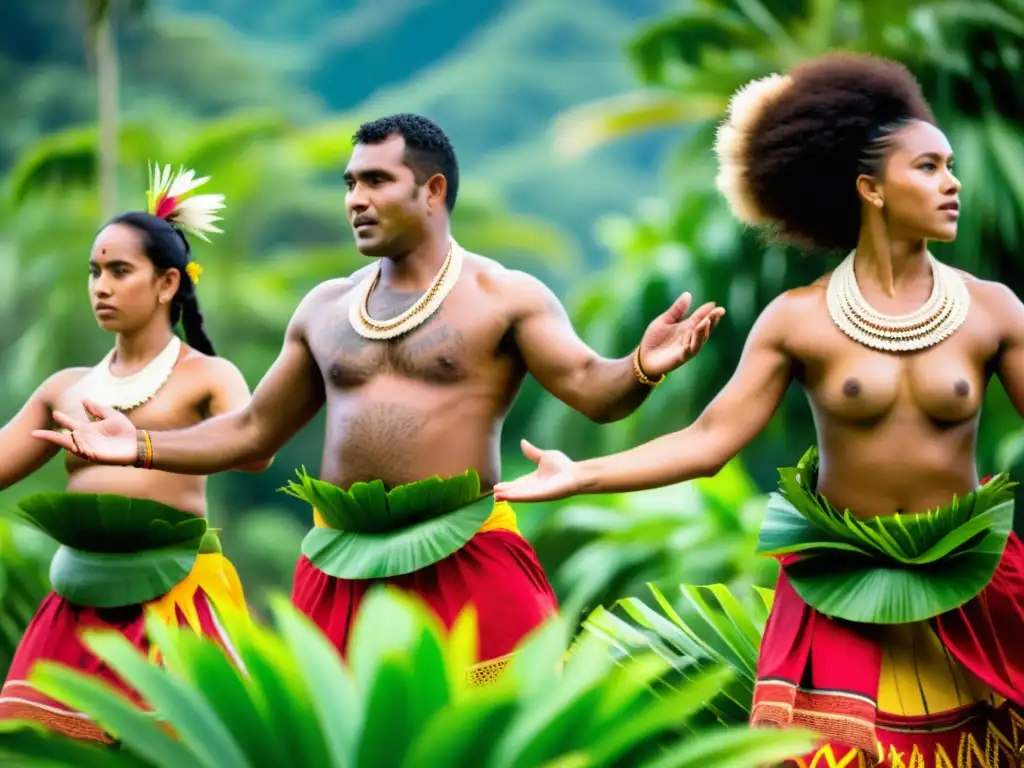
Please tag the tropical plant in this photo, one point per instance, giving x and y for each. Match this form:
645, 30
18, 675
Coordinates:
710, 627
402, 700
599, 548
894, 569
374, 533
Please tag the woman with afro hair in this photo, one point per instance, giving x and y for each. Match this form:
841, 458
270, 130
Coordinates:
897, 628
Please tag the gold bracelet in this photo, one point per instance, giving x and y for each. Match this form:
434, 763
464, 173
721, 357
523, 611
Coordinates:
145, 459
638, 371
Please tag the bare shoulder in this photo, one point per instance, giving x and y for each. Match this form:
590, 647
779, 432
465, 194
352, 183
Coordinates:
513, 289
797, 304
330, 291
998, 301
986, 291
325, 295
60, 382
207, 368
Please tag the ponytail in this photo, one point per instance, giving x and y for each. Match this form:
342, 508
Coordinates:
192, 325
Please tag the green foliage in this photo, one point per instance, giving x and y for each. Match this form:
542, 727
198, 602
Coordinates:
104, 522
890, 569
710, 628
404, 698
113, 550
602, 547
375, 533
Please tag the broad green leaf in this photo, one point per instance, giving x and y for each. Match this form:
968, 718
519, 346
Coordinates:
110, 580
851, 589
375, 533
348, 555
888, 569
108, 522
67, 159
114, 550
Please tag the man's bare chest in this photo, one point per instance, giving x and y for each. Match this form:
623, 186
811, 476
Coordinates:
454, 344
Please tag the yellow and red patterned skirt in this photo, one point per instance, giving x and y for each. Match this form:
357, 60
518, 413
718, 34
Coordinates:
945, 693
54, 635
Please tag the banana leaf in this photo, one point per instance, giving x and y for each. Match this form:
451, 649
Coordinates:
376, 533
108, 522
887, 569
114, 550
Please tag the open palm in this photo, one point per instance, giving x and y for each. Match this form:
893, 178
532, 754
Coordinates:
112, 439
556, 477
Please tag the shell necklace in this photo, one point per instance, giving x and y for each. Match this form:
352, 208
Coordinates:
417, 314
935, 320
123, 393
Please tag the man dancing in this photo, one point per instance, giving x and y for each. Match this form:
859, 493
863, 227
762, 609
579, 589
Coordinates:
418, 357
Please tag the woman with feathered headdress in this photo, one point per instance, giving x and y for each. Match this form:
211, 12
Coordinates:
131, 542
896, 627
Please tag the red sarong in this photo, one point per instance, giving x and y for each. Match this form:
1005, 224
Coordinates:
54, 635
824, 674
497, 571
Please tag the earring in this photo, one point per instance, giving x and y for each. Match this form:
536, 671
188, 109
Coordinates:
878, 203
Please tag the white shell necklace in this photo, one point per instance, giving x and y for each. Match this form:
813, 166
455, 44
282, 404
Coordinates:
417, 314
124, 393
935, 320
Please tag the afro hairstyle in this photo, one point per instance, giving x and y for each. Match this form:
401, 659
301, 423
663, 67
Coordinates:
792, 146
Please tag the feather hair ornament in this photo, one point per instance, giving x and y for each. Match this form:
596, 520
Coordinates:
170, 197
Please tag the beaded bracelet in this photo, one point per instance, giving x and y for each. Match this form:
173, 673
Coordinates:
642, 377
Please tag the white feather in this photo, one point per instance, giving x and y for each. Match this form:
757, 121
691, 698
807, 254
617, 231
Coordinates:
195, 213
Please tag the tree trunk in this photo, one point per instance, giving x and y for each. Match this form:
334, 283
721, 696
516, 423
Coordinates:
106, 111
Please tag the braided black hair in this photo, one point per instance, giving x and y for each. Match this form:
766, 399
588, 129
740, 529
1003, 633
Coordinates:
167, 247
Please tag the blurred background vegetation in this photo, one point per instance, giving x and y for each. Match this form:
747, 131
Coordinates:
584, 136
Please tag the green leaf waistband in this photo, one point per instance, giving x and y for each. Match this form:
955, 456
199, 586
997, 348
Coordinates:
376, 533
115, 550
888, 569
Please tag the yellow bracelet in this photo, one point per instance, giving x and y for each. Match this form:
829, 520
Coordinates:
145, 460
638, 371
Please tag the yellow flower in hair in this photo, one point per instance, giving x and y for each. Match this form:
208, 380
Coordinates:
194, 270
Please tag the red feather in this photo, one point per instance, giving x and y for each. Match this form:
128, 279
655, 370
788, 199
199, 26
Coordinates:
165, 206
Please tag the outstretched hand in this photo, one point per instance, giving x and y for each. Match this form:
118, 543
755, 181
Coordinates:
110, 439
672, 338
556, 477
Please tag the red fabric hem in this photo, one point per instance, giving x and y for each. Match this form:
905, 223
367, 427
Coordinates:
54, 635
808, 661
